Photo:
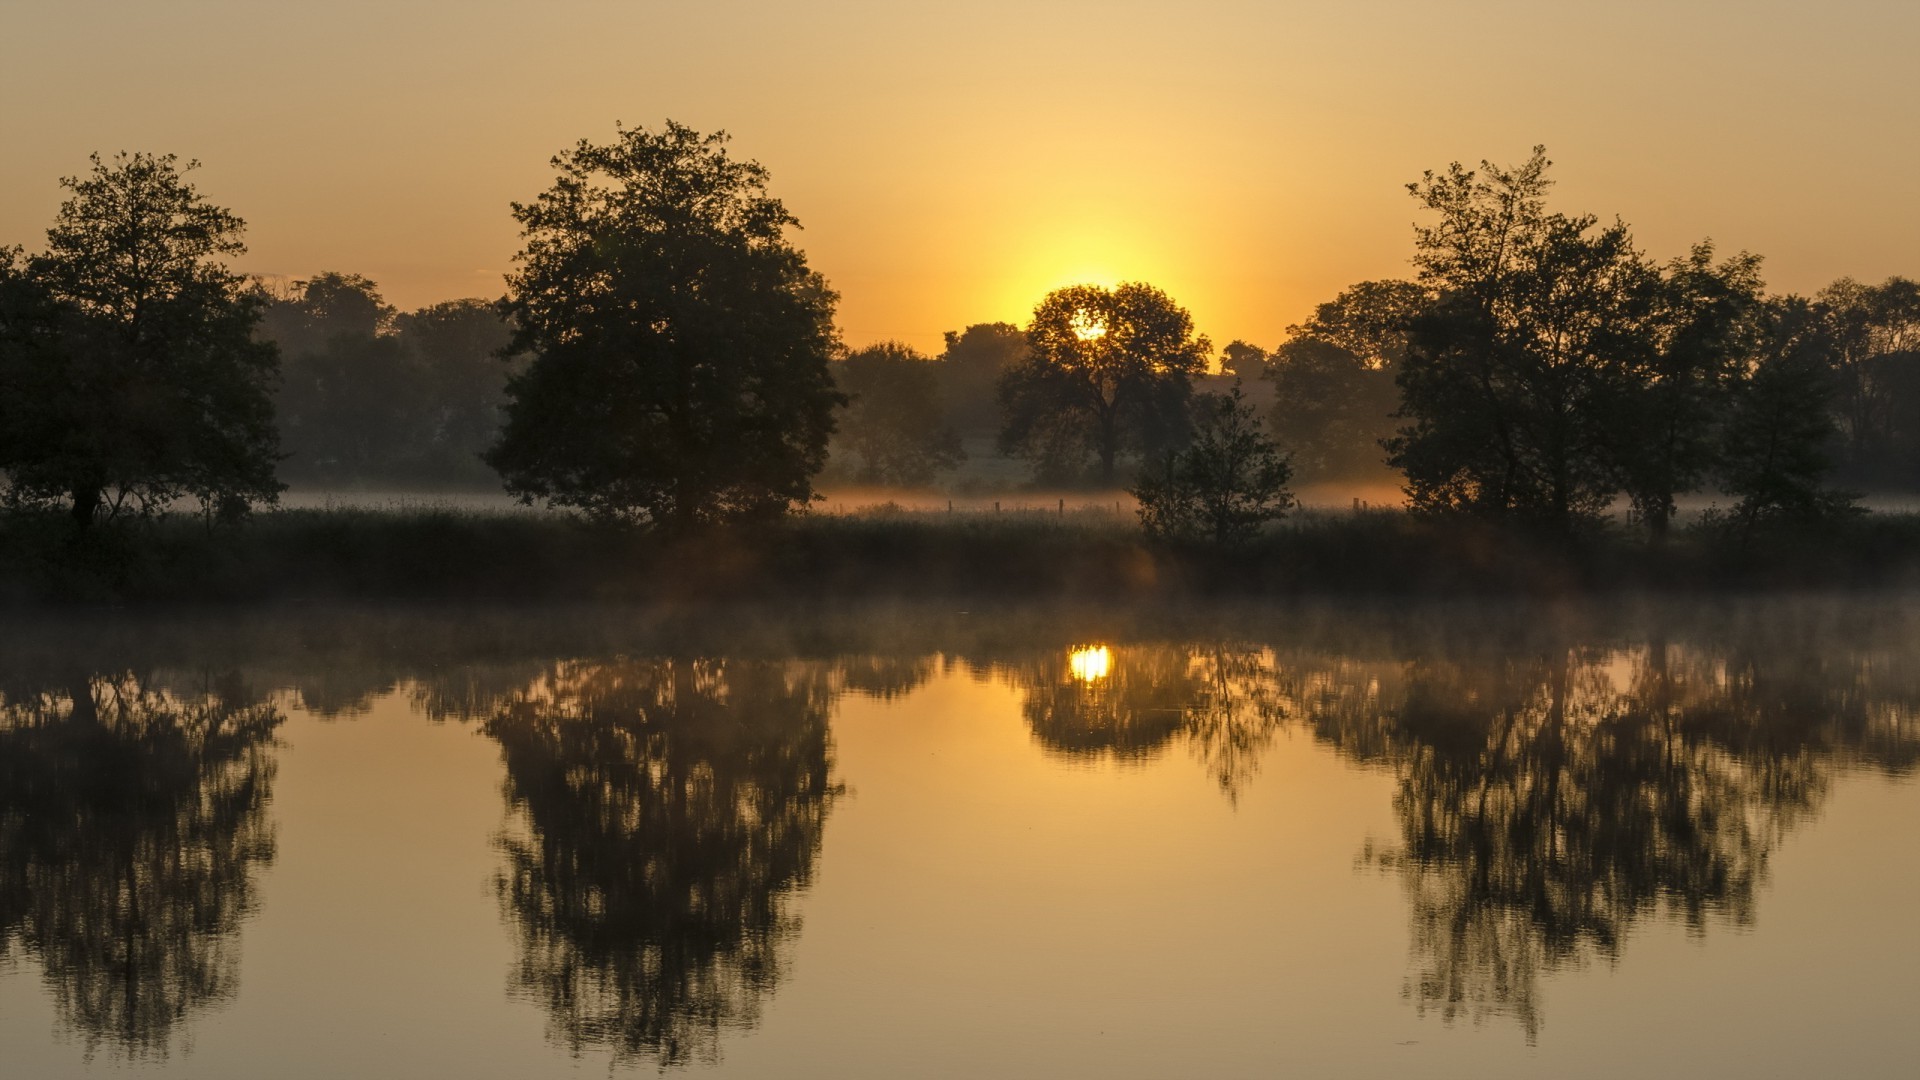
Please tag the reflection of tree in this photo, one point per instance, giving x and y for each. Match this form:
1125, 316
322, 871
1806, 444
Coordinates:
1546, 805
132, 822
671, 809
1225, 701
1131, 711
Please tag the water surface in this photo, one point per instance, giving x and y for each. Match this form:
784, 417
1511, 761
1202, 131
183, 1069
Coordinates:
1445, 842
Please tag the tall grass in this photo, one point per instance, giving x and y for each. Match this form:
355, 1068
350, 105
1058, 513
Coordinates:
452, 554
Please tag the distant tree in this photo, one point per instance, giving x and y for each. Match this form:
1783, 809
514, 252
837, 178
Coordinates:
458, 347
350, 398
1875, 331
1227, 483
132, 378
678, 342
1699, 324
1506, 374
1775, 450
372, 396
970, 369
1108, 376
1334, 392
894, 423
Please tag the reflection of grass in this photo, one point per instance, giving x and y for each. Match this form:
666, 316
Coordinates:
1091, 555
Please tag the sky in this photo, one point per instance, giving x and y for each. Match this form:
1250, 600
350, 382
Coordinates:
950, 163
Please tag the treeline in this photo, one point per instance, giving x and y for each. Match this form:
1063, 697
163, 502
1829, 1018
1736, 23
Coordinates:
372, 396
664, 355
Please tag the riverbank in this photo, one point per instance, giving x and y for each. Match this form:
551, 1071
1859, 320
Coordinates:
319, 555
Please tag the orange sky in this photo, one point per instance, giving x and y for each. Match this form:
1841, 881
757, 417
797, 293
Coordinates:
952, 162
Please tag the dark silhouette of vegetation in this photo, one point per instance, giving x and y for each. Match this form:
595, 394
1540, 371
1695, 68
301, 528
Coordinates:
678, 342
1775, 453
1106, 378
1229, 481
1874, 333
373, 397
129, 374
672, 809
1333, 381
970, 369
894, 424
132, 826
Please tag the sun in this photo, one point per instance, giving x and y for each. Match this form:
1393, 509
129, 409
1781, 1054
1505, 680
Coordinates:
1090, 664
1088, 325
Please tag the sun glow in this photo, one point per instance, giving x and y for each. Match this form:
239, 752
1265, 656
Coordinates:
1091, 663
1088, 325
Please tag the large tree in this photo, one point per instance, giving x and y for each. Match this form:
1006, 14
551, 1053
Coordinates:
1108, 375
1505, 381
130, 376
679, 342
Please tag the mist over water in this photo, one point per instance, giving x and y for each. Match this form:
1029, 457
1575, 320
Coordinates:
1222, 842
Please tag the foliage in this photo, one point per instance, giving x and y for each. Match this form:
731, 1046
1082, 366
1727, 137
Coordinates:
673, 809
1108, 376
970, 368
371, 396
679, 343
1875, 331
1505, 384
1227, 483
894, 422
1334, 393
1775, 453
1670, 385
129, 375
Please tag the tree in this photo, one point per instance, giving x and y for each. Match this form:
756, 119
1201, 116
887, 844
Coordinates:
132, 377
1875, 330
1671, 386
1225, 485
678, 342
1775, 447
970, 368
894, 422
1334, 391
1506, 374
349, 399
1108, 375
373, 396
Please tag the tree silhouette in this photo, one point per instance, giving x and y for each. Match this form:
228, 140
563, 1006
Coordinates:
132, 825
969, 370
894, 422
1107, 375
1334, 391
1228, 483
671, 810
1671, 388
1774, 453
141, 381
1506, 379
678, 341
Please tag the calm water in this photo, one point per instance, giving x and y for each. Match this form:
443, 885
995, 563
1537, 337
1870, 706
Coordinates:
1452, 842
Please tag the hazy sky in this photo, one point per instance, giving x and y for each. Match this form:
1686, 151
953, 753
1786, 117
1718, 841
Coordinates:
952, 162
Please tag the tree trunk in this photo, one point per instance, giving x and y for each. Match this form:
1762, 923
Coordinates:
86, 500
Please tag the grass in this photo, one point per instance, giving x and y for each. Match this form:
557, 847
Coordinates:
314, 555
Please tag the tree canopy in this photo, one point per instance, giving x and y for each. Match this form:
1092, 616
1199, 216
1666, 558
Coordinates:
678, 342
895, 424
129, 372
1106, 377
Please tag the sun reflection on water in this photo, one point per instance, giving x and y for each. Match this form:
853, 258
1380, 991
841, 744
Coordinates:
1091, 663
